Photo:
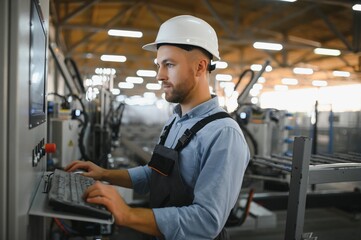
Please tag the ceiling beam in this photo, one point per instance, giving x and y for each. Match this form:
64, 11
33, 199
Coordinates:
78, 11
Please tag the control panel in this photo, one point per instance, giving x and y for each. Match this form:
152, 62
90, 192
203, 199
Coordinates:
41, 149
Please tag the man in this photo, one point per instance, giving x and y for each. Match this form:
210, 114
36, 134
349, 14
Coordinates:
193, 184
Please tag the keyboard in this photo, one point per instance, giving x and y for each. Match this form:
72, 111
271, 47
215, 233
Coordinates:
66, 193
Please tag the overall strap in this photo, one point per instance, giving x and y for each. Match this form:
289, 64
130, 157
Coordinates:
165, 133
188, 134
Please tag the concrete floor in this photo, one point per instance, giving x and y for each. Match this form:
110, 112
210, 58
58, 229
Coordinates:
325, 224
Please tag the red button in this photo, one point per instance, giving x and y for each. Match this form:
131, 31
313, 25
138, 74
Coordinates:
50, 147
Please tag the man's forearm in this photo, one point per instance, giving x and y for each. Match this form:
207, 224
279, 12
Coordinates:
142, 220
117, 177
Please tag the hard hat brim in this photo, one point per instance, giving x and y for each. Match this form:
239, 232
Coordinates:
153, 48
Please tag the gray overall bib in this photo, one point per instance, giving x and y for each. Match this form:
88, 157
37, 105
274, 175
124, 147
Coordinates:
166, 185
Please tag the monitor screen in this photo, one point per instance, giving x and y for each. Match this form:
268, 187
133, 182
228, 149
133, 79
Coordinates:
38, 63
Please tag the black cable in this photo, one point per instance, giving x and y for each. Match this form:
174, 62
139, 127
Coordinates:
65, 104
84, 155
76, 75
241, 77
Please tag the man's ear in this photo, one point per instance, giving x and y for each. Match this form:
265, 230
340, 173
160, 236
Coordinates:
201, 67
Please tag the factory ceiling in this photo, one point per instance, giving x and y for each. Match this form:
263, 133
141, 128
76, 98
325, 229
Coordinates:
81, 32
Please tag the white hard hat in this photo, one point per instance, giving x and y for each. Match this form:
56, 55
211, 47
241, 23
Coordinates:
188, 30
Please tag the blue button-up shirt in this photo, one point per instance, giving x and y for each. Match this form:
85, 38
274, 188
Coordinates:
212, 164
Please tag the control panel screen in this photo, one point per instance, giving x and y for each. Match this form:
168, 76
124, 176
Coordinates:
38, 63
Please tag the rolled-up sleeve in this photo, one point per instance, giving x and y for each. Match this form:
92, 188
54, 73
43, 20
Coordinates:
140, 177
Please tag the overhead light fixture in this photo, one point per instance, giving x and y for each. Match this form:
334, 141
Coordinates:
125, 85
341, 74
135, 80
125, 33
261, 80
221, 65
113, 58
319, 83
258, 67
288, 0
300, 70
356, 7
280, 88
268, 46
327, 51
153, 86
224, 77
115, 91
226, 84
105, 71
289, 81
146, 73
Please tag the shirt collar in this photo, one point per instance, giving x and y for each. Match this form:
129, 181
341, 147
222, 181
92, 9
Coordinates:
199, 110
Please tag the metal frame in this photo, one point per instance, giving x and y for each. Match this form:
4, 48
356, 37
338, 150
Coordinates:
301, 175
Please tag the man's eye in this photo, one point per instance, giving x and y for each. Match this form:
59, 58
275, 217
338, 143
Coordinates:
169, 65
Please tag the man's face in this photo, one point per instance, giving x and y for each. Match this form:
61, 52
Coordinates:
176, 71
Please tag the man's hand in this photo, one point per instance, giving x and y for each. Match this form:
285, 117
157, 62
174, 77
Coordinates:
92, 170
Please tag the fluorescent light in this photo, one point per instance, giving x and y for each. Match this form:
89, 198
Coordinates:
327, 51
106, 71
125, 33
153, 86
254, 92
319, 83
224, 77
258, 67
268, 46
115, 91
254, 100
126, 85
341, 74
356, 7
146, 73
289, 81
135, 80
280, 88
221, 65
226, 84
113, 58
261, 80
288, 0
299, 70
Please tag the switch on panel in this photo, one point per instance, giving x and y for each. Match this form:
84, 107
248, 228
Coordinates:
41, 149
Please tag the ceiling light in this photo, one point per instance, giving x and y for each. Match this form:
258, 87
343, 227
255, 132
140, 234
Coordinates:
135, 80
226, 84
319, 83
258, 67
356, 7
224, 77
221, 65
115, 91
113, 58
327, 51
341, 74
288, 0
153, 86
146, 73
299, 70
268, 46
106, 71
280, 88
126, 85
125, 33
261, 80
289, 81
